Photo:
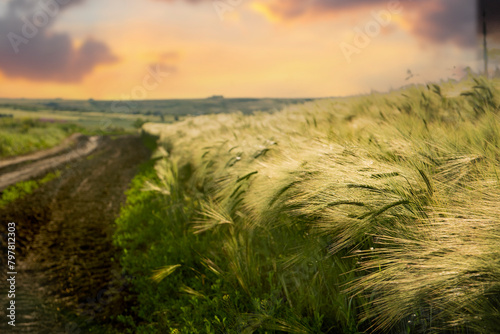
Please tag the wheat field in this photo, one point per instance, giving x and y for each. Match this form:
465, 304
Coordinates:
378, 213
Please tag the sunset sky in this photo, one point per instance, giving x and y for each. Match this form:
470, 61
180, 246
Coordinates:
159, 49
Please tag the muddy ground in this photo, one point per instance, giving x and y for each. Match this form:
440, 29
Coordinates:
68, 276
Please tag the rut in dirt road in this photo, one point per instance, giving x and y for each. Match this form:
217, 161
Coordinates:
66, 277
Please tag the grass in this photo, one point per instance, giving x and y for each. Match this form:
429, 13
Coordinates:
377, 214
21, 136
21, 189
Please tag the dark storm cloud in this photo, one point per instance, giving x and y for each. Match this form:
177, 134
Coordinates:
436, 21
28, 49
451, 21
492, 10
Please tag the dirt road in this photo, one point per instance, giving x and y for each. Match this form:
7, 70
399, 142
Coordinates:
68, 143
15, 170
68, 275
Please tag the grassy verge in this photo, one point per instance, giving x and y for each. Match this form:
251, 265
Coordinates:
377, 213
25, 136
21, 189
22, 136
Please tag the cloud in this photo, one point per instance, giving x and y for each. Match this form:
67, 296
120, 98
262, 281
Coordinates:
169, 56
167, 63
30, 50
436, 21
445, 21
286, 10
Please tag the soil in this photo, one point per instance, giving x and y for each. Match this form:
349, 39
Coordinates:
68, 275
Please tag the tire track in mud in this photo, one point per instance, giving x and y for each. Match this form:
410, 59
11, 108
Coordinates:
66, 276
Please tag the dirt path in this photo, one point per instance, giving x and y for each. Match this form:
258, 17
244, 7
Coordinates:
67, 278
45, 161
64, 146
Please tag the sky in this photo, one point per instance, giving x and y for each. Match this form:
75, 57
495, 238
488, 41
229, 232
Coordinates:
164, 49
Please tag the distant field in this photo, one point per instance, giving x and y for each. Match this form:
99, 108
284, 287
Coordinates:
106, 116
23, 132
125, 114
91, 120
213, 105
